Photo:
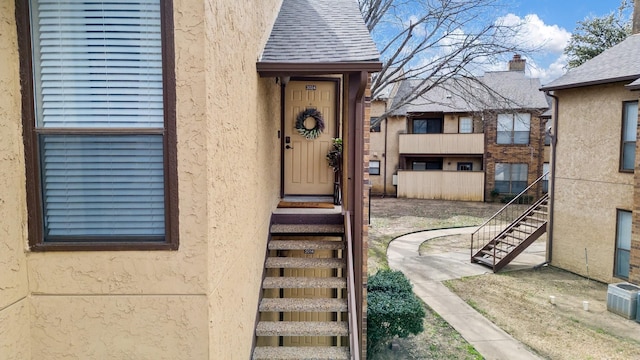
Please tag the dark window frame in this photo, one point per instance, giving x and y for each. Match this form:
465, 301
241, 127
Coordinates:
427, 120
511, 181
375, 128
373, 167
621, 168
617, 248
32, 151
465, 163
512, 133
428, 164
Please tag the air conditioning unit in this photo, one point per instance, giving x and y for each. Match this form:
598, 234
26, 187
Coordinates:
622, 299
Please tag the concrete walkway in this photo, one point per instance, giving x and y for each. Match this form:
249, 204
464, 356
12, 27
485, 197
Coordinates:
426, 273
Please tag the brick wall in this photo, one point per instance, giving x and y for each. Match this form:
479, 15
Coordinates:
531, 154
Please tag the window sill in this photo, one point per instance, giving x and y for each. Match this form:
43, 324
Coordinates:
102, 246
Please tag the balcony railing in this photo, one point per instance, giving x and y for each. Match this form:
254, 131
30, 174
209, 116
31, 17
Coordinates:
441, 185
442, 143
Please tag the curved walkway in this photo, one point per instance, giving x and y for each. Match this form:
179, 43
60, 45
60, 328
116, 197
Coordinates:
427, 273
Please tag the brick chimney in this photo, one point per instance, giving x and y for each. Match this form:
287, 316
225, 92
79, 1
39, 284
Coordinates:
635, 29
518, 63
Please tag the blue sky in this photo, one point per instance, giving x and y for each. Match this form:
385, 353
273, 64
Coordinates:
553, 20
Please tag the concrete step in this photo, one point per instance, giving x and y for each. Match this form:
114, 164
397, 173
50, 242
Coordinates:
303, 305
304, 283
305, 353
307, 229
486, 261
302, 328
303, 263
305, 244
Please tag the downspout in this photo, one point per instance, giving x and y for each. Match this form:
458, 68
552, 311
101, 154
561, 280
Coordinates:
384, 154
552, 190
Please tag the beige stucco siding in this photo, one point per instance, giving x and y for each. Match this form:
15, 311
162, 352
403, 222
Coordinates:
15, 331
243, 168
588, 186
121, 327
14, 310
585, 218
200, 301
391, 128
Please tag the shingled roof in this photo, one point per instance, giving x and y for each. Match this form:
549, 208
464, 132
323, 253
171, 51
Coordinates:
320, 32
619, 63
498, 90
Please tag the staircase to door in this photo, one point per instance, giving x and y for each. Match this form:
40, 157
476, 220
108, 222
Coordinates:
512, 229
306, 311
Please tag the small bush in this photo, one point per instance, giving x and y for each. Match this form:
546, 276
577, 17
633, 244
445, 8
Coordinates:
392, 309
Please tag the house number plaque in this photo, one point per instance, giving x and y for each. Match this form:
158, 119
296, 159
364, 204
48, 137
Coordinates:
309, 251
311, 87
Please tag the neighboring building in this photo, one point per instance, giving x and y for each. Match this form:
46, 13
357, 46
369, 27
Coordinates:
145, 147
462, 142
595, 188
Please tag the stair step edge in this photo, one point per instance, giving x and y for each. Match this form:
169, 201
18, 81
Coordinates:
305, 244
308, 229
305, 353
303, 282
302, 328
302, 305
303, 263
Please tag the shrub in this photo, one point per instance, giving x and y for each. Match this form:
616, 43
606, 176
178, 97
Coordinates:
392, 309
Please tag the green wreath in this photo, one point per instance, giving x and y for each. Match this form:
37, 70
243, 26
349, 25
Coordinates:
315, 131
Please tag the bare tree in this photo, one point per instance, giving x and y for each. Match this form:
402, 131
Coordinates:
436, 43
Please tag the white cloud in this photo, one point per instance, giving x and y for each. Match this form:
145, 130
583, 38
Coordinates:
535, 33
551, 72
547, 60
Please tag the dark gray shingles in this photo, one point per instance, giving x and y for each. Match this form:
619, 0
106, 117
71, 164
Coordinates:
619, 63
308, 31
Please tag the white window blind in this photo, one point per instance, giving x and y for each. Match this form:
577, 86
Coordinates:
103, 185
98, 65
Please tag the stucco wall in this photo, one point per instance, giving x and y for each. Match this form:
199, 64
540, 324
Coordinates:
389, 159
243, 167
200, 301
14, 309
588, 186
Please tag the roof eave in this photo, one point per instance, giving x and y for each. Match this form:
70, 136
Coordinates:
273, 69
590, 83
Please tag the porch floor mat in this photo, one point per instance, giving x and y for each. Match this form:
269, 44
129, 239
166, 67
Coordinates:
305, 204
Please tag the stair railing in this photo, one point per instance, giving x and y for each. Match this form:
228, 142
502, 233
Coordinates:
354, 343
513, 210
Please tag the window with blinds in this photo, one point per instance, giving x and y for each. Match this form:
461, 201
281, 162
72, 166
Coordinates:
99, 120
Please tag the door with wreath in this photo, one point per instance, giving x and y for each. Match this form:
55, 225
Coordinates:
309, 127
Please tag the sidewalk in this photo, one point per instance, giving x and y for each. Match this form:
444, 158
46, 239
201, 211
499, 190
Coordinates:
427, 273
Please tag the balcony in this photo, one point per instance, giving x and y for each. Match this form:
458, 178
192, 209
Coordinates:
441, 185
460, 144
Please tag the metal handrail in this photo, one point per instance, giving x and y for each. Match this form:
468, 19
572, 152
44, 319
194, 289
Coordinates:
354, 344
494, 225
